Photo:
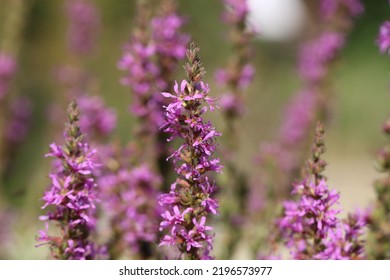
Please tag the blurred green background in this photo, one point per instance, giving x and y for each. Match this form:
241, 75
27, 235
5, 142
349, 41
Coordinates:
361, 102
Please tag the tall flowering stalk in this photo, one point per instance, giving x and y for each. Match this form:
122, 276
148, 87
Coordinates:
310, 226
149, 60
71, 195
316, 58
333, 20
84, 25
235, 79
171, 45
238, 74
190, 201
142, 74
379, 222
133, 226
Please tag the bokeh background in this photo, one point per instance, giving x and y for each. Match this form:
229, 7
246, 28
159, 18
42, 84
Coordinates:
360, 105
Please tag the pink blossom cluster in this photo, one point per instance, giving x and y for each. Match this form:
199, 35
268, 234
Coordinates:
72, 195
190, 200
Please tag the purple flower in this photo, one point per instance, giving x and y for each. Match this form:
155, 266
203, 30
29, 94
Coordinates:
239, 73
189, 201
20, 113
72, 195
7, 72
143, 77
236, 11
166, 32
344, 242
298, 118
315, 55
329, 8
310, 226
84, 24
246, 77
95, 118
132, 224
384, 37
149, 60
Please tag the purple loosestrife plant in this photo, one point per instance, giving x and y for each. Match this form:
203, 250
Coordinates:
190, 201
171, 44
143, 74
134, 226
84, 26
235, 79
316, 58
238, 74
96, 120
384, 37
150, 60
310, 226
71, 195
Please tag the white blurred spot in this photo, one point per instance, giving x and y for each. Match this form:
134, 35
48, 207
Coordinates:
277, 20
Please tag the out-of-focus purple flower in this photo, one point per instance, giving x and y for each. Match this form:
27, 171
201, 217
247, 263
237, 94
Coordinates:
83, 26
143, 77
7, 72
243, 80
246, 77
315, 55
71, 195
298, 118
231, 104
95, 118
239, 73
329, 8
236, 11
149, 60
167, 35
132, 224
20, 113
384, 37
189, 201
